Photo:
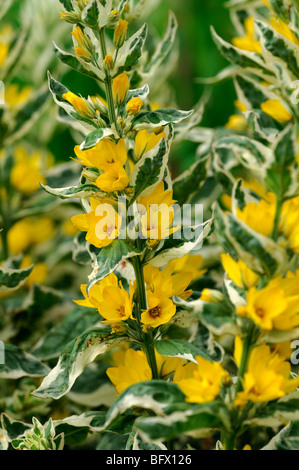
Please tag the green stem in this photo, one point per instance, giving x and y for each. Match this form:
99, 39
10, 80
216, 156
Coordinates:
148, 345
229, 442
275, 232
108, 82
247, 345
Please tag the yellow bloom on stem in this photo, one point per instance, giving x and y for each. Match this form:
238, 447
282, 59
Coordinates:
259, 216
146, 141
108, 62
248, 42
267, 377
276, 110
239, 272
120, 33
120, 88
116, 304
236, 122
80, 105
115, 179
29, 232
134, 106
96, 291
104, 155
187, 264
201, 382
131, 367
275, 306
101, 224
156, 222
160, 310
85, 46
157, 196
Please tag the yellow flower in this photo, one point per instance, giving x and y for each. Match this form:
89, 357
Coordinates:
134, 106
4, 49
236, 122
158, 196
120, 33
259, 216
156, 222
104, 155
96, 292
135, 369
120, 88
131, 367
116, 304
14, 96
108, 62
239, 272
39, 273
160, 310
276, 110
101, 224
289, 223
84, 49
146, 141
248, 42
267, 377
115, 179
29, 232
282, 28
187, 264
200, 382
276, 305
80, 105
27, 173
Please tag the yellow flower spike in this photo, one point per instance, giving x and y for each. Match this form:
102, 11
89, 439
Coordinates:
267, 377
120, 33
248, 42
239, 272
101, 224
259, 216
79, 104
146, 141
276, 110
120, 88
26, 175
160, 310
201, 383
134, 106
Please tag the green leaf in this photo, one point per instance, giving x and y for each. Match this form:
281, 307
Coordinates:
286, 439
188, 183
72, 61
83, 191
278, 48
94, 138
12, 427
130, 52
162, 117
194, 420
78, 354
150, 170
71, 326
109, 259
67, 4
260, 253
179, 348
164, 46
13, 279
20, 364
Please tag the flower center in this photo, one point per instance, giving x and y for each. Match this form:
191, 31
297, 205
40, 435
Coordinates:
155, 312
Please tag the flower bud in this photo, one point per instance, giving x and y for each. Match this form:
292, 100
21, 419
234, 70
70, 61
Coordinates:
108, 62
121, 87
120, 33
134, 106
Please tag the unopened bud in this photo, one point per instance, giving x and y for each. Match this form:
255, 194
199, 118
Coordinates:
120, 33
108, 62
134, 106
